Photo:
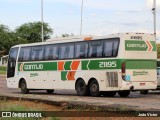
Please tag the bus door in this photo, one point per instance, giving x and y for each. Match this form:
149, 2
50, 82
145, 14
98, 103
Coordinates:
12, 62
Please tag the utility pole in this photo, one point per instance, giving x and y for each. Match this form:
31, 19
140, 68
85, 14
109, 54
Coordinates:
154, 17
81, 18
42, 29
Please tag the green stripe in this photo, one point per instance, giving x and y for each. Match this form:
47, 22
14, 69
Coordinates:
67, 65
104, 64
137, 64
84, 65
154, 45
64, 75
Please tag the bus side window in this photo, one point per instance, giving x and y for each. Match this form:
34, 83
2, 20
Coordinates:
115, 47
81, 50
66, 51
51, 52
108, 48
37, 53
24, 54
111, 47
95, 49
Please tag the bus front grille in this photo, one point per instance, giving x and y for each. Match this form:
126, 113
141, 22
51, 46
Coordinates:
112, 79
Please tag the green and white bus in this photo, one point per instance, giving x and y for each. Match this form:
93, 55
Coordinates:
90, 65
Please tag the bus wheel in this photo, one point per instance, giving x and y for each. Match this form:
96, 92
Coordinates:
50, 91
144, 91
81, 88
124, 93
109, 93
94, 88
23, 86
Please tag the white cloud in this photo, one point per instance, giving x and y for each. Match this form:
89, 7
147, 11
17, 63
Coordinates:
149, 3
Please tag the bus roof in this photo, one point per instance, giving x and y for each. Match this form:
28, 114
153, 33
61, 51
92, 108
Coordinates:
80, 38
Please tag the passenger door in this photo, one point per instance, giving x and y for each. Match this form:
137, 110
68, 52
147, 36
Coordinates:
12, 62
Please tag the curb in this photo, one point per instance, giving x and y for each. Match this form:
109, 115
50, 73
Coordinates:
72, 104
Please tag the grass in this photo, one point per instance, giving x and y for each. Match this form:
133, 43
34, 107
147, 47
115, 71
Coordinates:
2, 70
20, 105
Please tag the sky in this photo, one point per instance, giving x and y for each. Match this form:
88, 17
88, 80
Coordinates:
100, 17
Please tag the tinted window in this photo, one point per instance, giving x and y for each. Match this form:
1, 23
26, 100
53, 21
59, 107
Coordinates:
108, 48
158, 63
24, 54
81, 50
111, 47
158, 71
66, 51
95, 49
37, 53
12, 62
51, 52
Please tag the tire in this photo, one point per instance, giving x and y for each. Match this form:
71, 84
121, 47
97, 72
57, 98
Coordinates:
94, 88
144, 92
50, 91
109, 93
23, 86
81, 88
124, 93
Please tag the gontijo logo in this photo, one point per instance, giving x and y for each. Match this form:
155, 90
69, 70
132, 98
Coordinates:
134, 45
28, 67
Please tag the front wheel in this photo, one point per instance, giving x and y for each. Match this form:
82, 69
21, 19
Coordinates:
124, 93
23, 86
144, 91
94, 88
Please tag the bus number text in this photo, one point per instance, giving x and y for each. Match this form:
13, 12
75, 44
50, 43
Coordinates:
107, 64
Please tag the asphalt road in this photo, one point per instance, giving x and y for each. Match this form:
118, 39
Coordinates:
135, 100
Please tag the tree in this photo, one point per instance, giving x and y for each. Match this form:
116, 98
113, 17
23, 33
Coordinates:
8, 39
4, 37
32, 31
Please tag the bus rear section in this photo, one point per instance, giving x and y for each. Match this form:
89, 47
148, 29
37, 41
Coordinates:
139, 66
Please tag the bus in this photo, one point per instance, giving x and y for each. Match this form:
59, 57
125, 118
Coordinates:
158, 74
91, 65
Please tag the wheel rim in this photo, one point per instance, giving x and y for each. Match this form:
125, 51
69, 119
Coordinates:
94, 87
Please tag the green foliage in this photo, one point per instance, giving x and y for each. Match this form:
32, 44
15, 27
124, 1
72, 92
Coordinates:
26, 33
32, 31
2, 70
8, 39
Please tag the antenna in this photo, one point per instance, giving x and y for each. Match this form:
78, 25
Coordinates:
154, 17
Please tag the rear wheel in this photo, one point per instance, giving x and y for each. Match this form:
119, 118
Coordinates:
124, 93
81, 88
144, 91
50, 91
94, 88
109, 94
23, 86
